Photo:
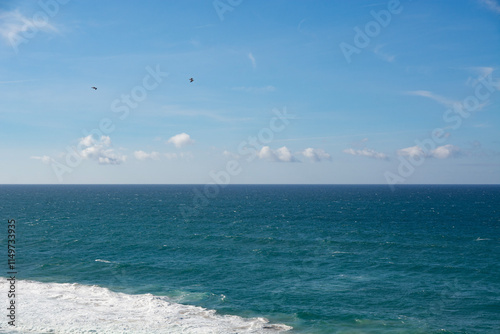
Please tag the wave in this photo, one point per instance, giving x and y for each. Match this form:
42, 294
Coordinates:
75, 308
482, 239
105, 261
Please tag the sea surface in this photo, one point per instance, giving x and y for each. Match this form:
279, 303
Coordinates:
252, 258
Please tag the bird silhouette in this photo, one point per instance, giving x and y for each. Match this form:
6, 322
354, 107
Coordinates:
94, 88
191, 79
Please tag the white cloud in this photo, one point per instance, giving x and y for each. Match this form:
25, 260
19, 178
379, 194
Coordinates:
446, 151
491, 5
100, 151
412, 151
181, 140
267, 153
282, 154
16, 27
252, 59
44, 159
366, 152
316, 154
440, 152
88, 141
141, 155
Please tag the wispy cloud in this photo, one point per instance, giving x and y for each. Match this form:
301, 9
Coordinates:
448, 103
16, 81
252, 59
265, 89
299, 26
492, 5
366, 152
141, 155
482, 72
382, 54
44, 159
230, 155
178, 110
14, 25
181, 155
439, 99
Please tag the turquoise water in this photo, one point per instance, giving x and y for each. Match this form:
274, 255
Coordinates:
320, 259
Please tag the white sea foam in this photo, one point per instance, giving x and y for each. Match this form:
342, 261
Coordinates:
105, 261
76, 308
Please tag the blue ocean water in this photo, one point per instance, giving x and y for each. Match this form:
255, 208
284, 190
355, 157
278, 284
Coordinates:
318, 258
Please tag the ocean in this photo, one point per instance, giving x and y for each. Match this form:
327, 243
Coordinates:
250, 259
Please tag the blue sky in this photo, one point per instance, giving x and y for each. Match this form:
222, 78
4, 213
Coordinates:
386, 92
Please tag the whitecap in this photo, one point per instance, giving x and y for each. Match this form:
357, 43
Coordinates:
76, 308
105, 261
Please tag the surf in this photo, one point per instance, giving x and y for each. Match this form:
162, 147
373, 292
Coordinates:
77, 308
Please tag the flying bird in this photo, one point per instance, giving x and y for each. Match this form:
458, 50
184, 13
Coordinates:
191, 79
94, 88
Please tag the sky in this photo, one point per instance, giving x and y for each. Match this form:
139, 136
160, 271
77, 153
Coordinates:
300, 92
